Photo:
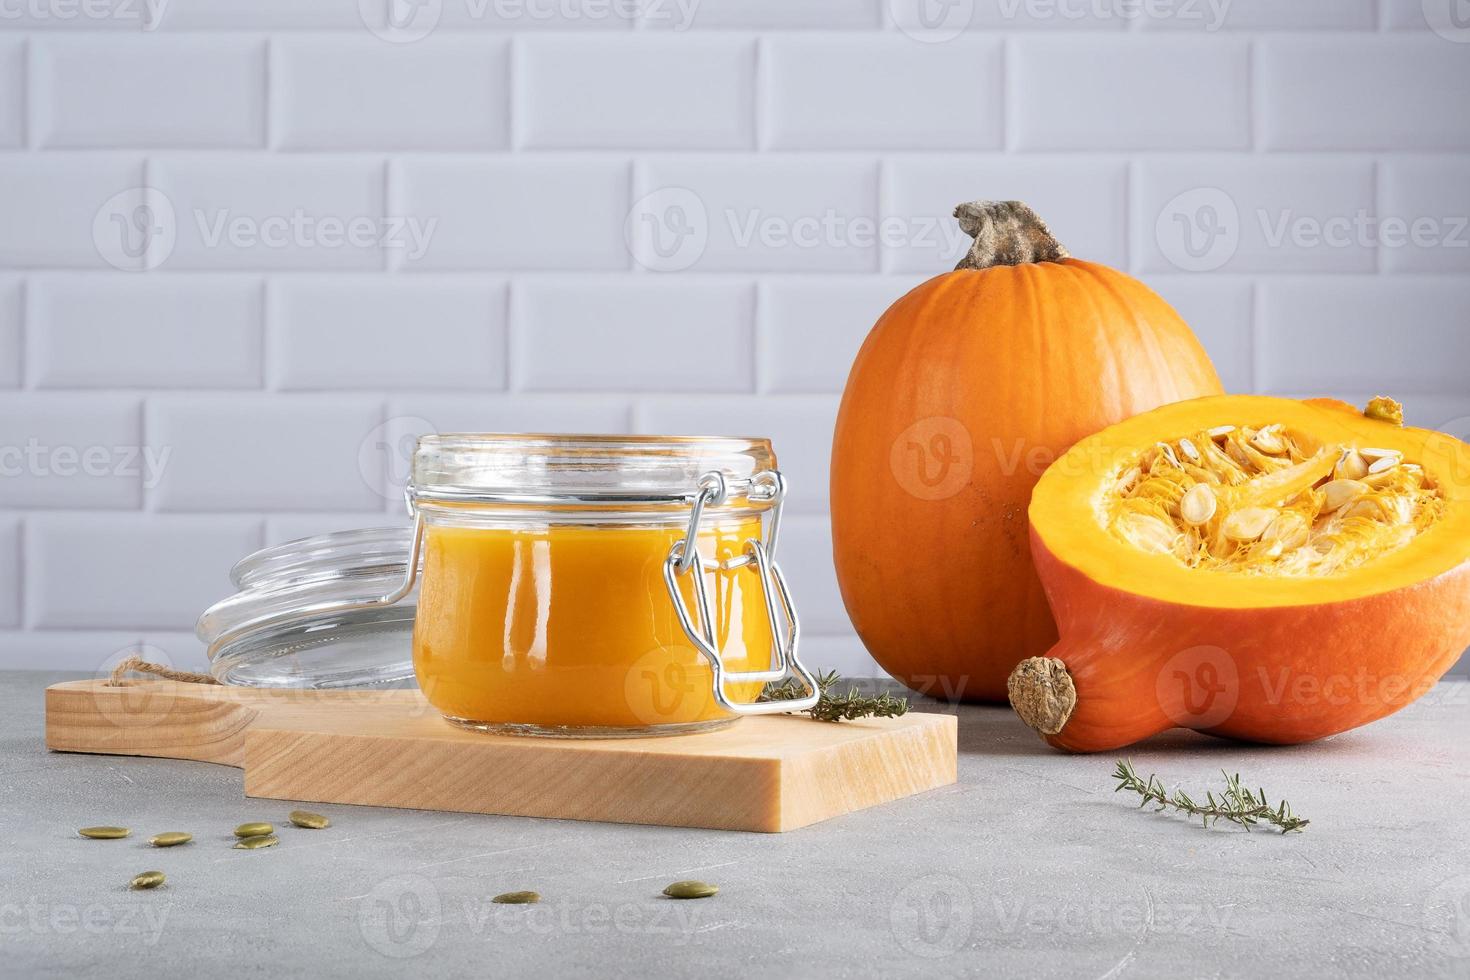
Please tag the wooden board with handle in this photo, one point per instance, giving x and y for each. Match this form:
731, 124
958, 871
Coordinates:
768, 773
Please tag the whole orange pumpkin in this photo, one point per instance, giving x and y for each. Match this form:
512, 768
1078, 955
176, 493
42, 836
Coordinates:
967, 389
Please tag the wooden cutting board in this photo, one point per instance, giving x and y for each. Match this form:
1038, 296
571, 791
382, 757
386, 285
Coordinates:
767, 773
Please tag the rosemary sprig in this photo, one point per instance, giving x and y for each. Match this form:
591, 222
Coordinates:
837, 707
1236, 804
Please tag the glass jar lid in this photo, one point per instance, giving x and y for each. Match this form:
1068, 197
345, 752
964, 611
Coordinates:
287, 625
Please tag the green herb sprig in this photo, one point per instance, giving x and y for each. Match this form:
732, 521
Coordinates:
832, 706
1236, 804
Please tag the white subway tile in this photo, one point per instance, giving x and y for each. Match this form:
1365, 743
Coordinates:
1074, 93
844, 654
75, 450
400, 332
811, 327
839, 92
12, 302
1083, 200
57, 209
1355, 334
259, 452
114, 91
209, 15
1361, 93
357, 92
92, 651
777, 214
1220, 309
139, 571
1425, 15
940, 23
683, 15
1424, 214
10, 572
684, 91
643, 334
12, 92
110, 331
411, 416
269, 212
517, 213
799, 427
1209, 16
1253, 214
805, 554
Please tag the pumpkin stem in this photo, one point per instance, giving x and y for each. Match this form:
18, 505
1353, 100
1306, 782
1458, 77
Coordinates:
1042, 693
1006, 233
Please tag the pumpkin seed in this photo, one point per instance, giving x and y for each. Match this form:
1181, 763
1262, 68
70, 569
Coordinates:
1198, 504
1221, 431
1340, 493
1191, 452
1168, 452
691, 889
1247, 524
1352, 466
105, 833
309, 820
1383, 465
1289, 530
148, 879
1269, 441
1148, 533
1372, 454
171, 839
254, 830
517, 898
257, 842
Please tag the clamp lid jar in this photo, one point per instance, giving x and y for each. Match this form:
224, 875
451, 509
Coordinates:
600, 586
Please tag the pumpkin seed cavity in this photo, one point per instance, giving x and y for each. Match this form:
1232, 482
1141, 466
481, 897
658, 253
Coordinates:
1270, 501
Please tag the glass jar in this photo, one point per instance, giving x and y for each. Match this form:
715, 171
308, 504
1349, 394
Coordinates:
557, 590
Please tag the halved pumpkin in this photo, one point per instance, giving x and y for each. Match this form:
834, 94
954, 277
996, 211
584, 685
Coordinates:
1250, 567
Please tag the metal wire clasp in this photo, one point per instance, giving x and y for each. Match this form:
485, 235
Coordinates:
683, 557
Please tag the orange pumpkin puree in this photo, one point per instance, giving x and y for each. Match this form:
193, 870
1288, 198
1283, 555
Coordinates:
562, 625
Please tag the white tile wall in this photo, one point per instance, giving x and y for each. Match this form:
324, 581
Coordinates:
521, 216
